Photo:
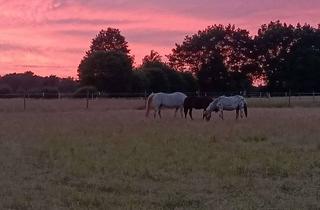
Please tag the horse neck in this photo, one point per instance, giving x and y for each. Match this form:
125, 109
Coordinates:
212, 105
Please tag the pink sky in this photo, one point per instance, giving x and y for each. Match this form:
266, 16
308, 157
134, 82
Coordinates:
51, 36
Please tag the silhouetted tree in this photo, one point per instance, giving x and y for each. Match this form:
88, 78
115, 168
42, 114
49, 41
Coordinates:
110, 40
289, 56
189, 81
213, 76
28, 81
232, 44
109, 71
169, 79
213, 53
301, 67
152, 59
157, 80
139, 82
274, 42
67, 85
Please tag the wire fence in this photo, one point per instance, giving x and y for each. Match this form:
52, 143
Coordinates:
59, 95
258, 99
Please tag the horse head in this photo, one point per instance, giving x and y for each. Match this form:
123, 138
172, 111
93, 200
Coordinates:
206, 115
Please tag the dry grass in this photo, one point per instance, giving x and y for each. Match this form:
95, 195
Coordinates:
57, 155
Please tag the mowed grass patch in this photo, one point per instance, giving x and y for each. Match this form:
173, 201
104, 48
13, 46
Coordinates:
118, 159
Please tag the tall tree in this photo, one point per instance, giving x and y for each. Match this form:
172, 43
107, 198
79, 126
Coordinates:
152, 58
212, 53
110, 40
108, 71
107, 65
273, 44
162, 77
290, 56
213, 76
301, 67
229, 42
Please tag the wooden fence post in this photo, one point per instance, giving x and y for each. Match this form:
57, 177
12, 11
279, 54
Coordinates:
87, 105
313, 97
289, 101
24, 101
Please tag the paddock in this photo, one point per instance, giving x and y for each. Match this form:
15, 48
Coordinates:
57, 154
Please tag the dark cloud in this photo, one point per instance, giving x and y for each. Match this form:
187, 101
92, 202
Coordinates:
44, 66
203, 8
155, 36
79, 21
37, 49
77, 33
146, 36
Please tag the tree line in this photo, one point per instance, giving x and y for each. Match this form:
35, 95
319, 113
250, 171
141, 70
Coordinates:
282, 57
219, 58
28, 82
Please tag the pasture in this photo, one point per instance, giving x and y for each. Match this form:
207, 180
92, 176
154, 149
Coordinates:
58, 155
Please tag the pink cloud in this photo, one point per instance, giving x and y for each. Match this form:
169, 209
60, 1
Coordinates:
51, 36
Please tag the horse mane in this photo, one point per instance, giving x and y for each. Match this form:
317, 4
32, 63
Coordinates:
213, 105
149, 99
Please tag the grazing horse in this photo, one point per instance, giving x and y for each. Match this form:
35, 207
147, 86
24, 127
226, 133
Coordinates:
167, 100
197, 102
231, 103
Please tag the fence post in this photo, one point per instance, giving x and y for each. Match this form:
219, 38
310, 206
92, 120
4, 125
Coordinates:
289, 102
145, 96
313, 97
87, 105
24, 101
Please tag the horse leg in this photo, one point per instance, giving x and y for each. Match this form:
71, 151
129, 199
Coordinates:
190, 113
220, 107
175, 112
221, 114
155, 113
237, 113
185, 112
241, 113
181, 111
159, 112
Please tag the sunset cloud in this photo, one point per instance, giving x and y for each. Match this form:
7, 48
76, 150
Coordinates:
51, 36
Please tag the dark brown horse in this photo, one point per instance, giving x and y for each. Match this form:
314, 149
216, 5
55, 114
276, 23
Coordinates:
197, 102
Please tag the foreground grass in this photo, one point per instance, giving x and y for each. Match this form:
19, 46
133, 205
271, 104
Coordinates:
117, 159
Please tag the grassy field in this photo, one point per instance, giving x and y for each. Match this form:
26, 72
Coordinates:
58, 155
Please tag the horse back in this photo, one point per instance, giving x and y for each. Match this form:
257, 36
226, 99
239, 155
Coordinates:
170, 100
197, 102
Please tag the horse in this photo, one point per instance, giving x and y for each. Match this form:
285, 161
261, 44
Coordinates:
197, 102
168, 100
231, 103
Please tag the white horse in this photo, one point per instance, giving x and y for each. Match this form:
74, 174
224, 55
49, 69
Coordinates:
167, 100
231, 103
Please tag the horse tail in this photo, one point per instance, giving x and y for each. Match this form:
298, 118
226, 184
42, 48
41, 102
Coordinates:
245, 109
149, 100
